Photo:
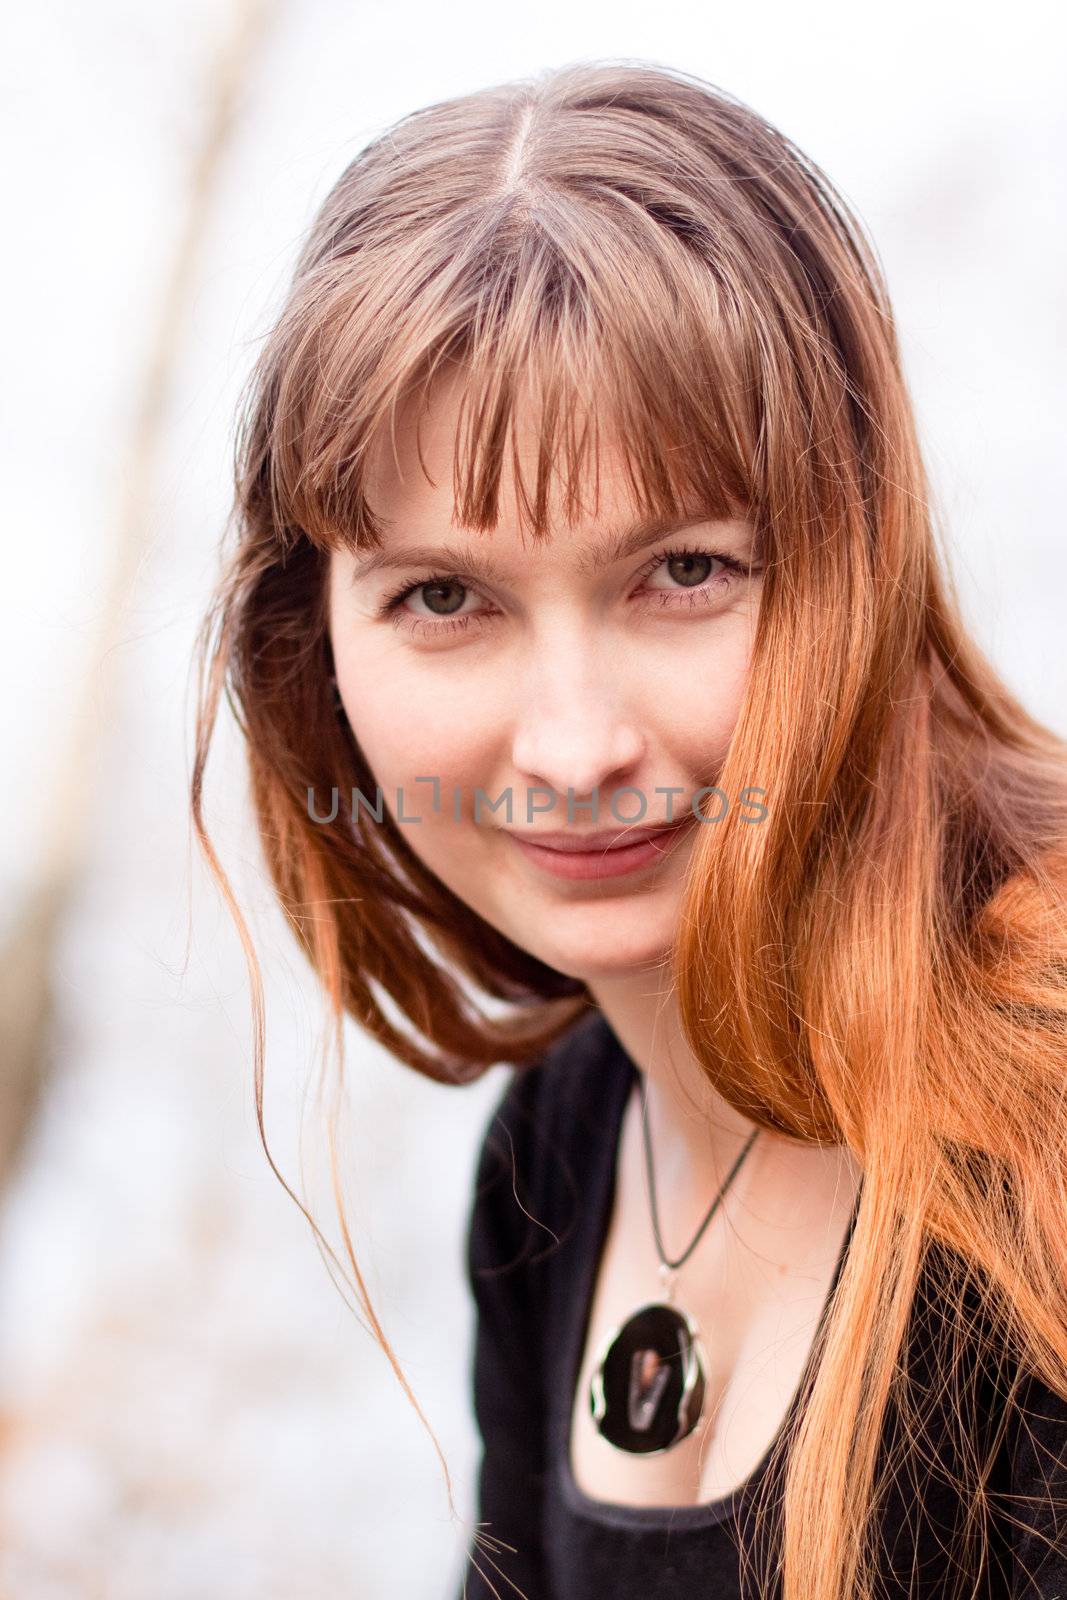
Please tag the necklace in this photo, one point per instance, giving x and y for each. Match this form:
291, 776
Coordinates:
647, 1389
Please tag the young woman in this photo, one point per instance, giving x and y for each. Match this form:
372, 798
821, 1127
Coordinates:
610, 714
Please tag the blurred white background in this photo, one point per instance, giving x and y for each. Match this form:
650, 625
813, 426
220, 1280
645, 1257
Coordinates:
187, 1410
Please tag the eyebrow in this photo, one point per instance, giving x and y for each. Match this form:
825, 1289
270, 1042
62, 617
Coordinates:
627, 541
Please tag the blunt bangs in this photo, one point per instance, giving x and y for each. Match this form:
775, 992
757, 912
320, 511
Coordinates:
636, 341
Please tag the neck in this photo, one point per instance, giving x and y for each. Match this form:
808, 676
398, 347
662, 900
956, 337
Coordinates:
697, 1135
695, 1131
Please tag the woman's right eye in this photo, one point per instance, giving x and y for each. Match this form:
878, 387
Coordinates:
442, 598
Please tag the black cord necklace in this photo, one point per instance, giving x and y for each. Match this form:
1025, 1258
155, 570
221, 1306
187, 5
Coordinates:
647, 1388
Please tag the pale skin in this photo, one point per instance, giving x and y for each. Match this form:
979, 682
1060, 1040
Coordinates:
571, 667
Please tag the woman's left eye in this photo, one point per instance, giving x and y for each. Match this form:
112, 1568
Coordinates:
690, 581
692, 569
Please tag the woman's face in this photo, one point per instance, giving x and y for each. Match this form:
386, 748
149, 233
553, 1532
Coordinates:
540, 676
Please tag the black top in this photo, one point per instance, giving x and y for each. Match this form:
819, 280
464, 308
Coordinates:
543, 1200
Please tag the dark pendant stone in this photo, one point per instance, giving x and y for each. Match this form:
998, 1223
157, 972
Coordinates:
647, 1390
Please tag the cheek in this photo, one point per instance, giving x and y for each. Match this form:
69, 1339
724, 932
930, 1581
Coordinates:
693, 699
417, 724
725, 677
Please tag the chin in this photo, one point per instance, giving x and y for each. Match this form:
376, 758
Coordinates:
609, 957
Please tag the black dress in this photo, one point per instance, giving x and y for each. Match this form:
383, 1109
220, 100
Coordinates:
543, 1200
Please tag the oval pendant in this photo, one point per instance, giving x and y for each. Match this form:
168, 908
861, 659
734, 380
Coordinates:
647, 1389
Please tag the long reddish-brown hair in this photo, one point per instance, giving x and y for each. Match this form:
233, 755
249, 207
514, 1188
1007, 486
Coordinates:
883, 963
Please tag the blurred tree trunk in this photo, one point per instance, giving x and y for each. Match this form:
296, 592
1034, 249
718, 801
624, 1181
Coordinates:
27, 998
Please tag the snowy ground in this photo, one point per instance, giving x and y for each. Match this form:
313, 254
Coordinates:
187, 1410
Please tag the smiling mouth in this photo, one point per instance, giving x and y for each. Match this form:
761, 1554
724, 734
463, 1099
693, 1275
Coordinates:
621, 838
579, 857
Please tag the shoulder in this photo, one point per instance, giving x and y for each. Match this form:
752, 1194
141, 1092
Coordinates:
976, 1404
545, 1132
564, 1079
1035, 1508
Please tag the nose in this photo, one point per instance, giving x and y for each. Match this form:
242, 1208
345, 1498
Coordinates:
574, 729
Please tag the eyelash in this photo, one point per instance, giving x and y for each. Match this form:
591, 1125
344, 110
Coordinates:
391, 605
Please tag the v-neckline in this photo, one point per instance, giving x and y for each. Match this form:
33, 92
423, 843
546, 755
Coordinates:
601, 1202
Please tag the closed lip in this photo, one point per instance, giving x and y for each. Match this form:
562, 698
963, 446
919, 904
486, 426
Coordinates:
619, 838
